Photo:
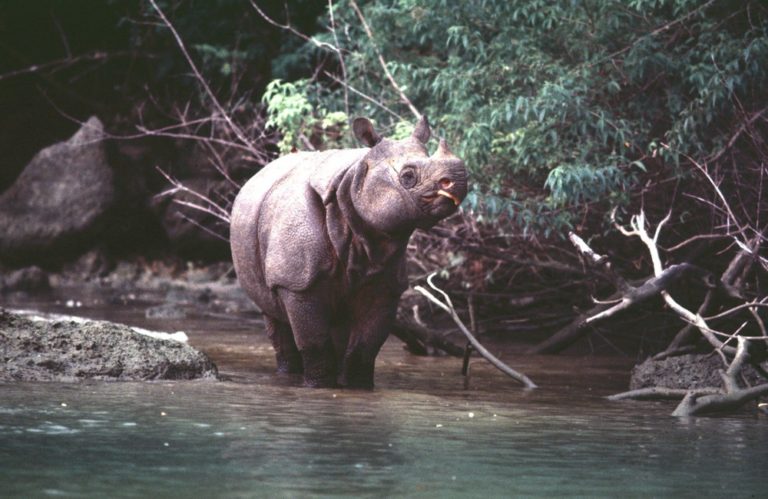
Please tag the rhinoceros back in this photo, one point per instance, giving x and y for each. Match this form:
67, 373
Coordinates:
278, 234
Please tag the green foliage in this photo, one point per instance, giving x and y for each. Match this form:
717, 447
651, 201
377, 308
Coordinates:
301, 124
558, 105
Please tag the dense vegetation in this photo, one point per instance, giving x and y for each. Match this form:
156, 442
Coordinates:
564, 110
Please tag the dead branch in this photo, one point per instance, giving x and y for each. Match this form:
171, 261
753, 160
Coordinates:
638, 229
293, 30
64, 62
199, 77
420, 339
696, 402
209, 206
696, 405
625, 297
660, 393
342, 64
448, 307
383, 63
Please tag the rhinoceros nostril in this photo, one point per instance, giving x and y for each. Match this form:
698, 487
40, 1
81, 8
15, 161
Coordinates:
445, 183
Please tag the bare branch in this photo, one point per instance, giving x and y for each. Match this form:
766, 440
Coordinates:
293, 30
383, 63
199, 77
363, 95
59, 63
448, 307
342, 65
660, 393
694, 405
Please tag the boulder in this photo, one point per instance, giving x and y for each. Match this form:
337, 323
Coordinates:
72, 349
684, 371
29, 279
59, 200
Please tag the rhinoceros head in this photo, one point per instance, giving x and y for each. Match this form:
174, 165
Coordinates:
400, 186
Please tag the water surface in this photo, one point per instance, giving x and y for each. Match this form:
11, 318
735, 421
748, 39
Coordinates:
419, 433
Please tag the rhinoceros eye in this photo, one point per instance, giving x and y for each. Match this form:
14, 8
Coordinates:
408, 177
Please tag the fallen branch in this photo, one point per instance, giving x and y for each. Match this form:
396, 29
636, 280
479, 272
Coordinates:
626, 297
448, 307
695, 405
660, 393
419, 339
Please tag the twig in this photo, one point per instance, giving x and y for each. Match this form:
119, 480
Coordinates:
638, 229
67, 61
448, 307
363, 95
660, 29
750, 306
293, 30
342, 65
235, 129
212, 209
660, 393
383, 63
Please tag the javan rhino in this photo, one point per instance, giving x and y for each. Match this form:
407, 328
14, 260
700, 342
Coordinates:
318, 242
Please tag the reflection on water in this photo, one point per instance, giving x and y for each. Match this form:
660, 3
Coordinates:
418, 434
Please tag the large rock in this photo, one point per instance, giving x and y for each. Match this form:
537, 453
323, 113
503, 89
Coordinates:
70, 349
684, 371
29, 279
59, 200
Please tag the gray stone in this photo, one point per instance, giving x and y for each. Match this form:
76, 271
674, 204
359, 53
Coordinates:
58, 200
684, 371
28, 279
166, 311
73, 350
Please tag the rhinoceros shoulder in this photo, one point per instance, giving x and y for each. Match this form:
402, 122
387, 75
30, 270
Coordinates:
291, 222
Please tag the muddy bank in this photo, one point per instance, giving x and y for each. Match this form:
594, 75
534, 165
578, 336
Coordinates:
34, 348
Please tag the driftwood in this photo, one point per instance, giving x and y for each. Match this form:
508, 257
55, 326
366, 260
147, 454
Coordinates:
420, 339
448, 307
709, 400
625, 297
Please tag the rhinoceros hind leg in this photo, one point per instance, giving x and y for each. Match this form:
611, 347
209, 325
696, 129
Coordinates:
286, 353
308, 316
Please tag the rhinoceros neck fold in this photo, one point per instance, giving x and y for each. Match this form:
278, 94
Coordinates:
362, 250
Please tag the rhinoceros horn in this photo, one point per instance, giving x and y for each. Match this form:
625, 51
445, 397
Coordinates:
442, 151
422, 131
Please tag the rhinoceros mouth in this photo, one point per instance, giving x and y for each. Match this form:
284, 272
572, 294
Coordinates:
450, 196
429, 199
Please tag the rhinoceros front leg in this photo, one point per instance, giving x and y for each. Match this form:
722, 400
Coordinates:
308, 317
373, 313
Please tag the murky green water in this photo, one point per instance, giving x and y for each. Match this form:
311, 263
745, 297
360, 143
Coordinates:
418, 434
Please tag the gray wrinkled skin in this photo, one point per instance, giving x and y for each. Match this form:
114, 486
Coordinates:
318, 242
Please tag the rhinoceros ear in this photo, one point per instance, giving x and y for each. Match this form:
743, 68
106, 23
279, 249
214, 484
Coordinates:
364, 132
422, 131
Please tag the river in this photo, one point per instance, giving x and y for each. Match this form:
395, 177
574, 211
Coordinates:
420, 433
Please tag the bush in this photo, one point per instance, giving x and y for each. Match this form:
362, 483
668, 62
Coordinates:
559, 107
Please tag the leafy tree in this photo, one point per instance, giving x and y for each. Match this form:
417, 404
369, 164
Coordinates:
561, 108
